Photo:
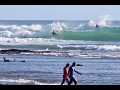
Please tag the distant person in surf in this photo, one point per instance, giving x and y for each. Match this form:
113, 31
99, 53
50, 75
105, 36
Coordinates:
97, 26
54, 33
65, 74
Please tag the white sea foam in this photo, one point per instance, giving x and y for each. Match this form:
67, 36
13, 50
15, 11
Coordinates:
24, 82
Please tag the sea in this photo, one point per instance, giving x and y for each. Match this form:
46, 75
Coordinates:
80, 41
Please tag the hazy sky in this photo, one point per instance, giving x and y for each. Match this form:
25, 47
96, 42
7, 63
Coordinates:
58, 12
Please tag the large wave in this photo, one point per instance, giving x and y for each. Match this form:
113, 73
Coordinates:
108, 30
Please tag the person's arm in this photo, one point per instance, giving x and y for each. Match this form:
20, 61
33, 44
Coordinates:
79, 65
77, 72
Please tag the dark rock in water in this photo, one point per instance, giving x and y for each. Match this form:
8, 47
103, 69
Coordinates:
14, 51
17, 51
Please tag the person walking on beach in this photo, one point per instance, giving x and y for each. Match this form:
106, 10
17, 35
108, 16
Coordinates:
71, 74
65, 74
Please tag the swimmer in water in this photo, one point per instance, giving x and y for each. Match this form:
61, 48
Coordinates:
54, 33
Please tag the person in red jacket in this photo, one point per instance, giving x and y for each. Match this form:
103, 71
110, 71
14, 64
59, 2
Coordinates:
65, 74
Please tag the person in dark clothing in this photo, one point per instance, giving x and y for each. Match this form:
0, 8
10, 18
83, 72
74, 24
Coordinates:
54, 33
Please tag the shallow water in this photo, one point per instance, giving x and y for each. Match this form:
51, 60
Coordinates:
47, 70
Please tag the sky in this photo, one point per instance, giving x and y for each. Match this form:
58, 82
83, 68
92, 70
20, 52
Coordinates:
58, 12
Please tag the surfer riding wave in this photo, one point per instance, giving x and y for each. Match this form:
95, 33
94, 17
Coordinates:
54, 33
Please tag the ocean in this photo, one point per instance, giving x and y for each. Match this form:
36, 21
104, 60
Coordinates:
80, 41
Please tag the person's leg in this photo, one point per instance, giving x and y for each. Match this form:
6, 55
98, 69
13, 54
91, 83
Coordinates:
63, 81
74, 80
68, 81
